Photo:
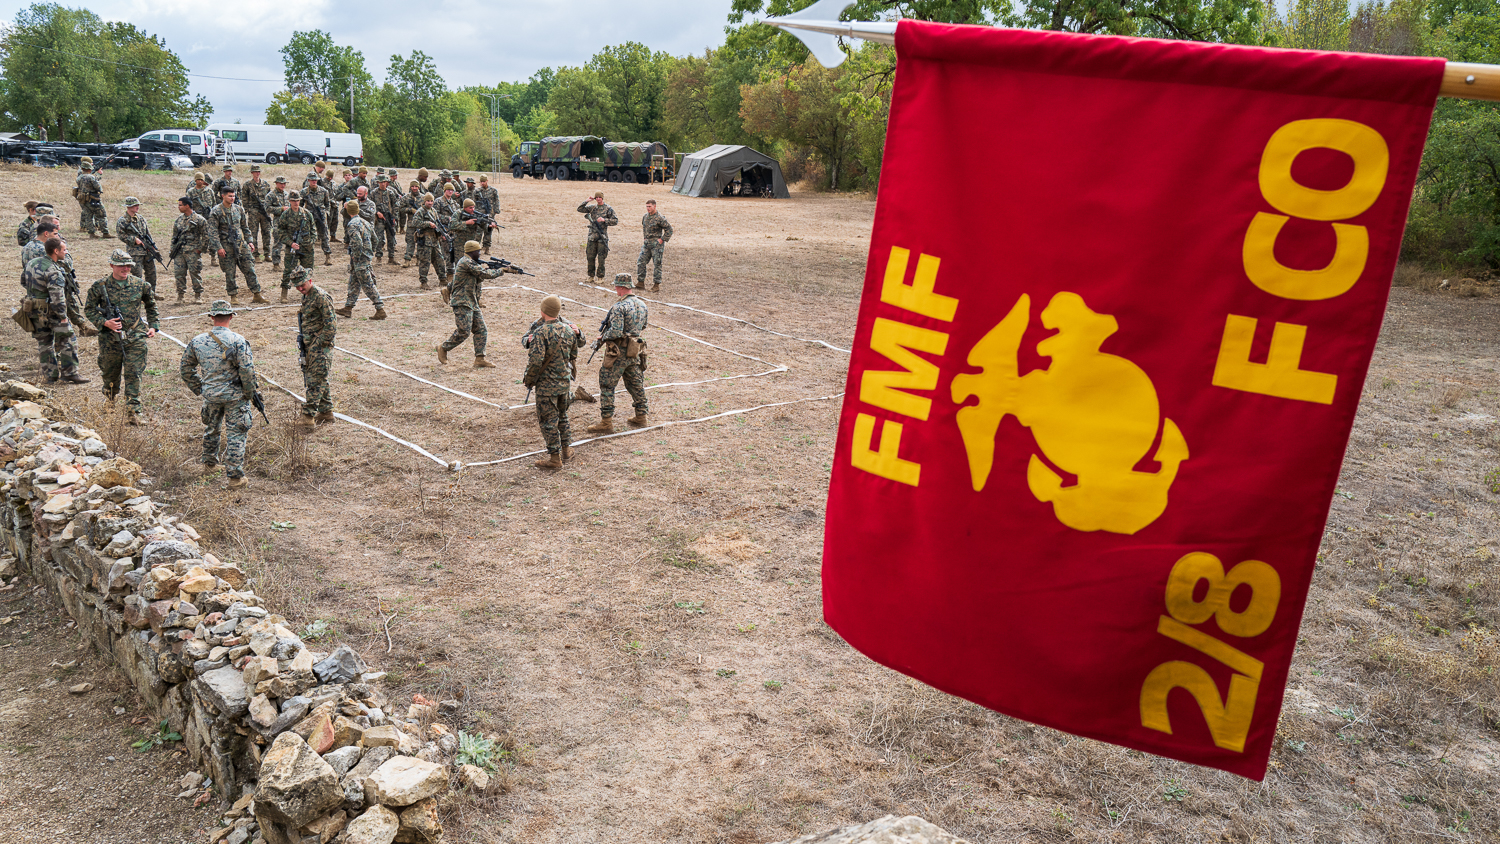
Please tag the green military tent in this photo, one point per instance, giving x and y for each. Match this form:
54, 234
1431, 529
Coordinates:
710, 172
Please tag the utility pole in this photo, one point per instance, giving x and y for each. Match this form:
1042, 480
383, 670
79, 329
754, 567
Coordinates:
495, 129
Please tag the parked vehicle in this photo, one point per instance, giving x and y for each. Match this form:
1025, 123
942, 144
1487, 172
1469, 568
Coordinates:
297, 155
152, 155
252, 142
346, 146
307, 142
200, 145
589, 157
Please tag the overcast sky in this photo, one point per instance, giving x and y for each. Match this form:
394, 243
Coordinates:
473, 42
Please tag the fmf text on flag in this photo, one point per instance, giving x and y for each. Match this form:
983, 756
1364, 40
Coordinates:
1121, 298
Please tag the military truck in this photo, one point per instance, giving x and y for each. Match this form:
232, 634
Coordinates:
592, 158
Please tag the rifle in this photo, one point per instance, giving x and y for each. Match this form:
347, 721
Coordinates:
447, 237
101, 164
528, 395
176, 247
482, 218
603, 327
260, 404
151, 250
301, 344
111, 310
505, 266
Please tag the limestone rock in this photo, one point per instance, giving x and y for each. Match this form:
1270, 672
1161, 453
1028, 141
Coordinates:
229, 573
341, 666
198, 580
23, 391
329, 826
420, 823
262, 711
353, 782
116, 471
402, 781
259, 668
386, 736
321, 737
167, 551
378, 825
887, 830
296, 785
343, 759
225, 689
474, 778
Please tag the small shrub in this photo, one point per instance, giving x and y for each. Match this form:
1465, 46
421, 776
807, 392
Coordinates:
477, 751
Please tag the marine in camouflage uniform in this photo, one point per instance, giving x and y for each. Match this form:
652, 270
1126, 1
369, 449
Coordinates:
295, 229
317, 327
340, 194
122, 349
135, 233
448, 207
551, 363
46, 286
201, 196
254, 199
71, 293
463, 297
227, 385
276, 202
226, 183
361, 241
91, 214
190, 239
27, 230
465, 230
626, 320
427, 225
411, 203
487, 202
315, 199
600, 217
229, 238
386, 200
655, 232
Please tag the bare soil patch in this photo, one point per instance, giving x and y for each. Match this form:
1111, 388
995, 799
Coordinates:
643, 628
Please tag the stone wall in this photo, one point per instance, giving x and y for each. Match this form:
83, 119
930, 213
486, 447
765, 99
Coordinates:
302, 745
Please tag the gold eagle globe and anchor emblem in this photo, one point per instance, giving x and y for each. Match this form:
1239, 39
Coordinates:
1092, 414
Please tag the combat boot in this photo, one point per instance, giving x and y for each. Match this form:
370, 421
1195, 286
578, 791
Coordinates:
637, 421
424, 286
283, 295
344, 312
442, 354
304, 421
640, 284
75, 378
392, 260
180, 296
238, 483
581, 394
234, 300
259, 299
567, 453
209, 469
552, 462
132, 418
379, 313
603, 426
655, 286
481, 363
406, 263
198, 298
324, 418
327, 259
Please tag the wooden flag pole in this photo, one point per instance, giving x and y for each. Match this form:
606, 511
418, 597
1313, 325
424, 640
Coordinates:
1460, 79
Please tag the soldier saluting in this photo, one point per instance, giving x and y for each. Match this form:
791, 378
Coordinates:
601, 217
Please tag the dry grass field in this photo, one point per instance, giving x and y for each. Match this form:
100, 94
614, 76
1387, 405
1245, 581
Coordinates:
642, 630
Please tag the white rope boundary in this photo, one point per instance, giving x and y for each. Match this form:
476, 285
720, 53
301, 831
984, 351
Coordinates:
723, 316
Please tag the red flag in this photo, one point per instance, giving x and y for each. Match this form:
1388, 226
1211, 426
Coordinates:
1121, 298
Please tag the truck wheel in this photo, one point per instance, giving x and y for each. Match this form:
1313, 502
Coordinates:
273, 158
550, 174
564, 174
614, 175
628, 176
349, 161
517, 171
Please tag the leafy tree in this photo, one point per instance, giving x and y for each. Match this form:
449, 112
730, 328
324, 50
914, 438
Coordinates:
1394, 28
581, 103
636, 79
1308, 25
310, 111
316, 66
413, 123
702, 101
804, 107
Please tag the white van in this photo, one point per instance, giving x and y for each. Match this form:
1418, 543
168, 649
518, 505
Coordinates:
252, 143
304, 146
348, 147
201, 146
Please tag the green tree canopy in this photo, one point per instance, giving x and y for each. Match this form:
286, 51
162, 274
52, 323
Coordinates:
310, 111
414, 120
581, 103
636, 79
317, 67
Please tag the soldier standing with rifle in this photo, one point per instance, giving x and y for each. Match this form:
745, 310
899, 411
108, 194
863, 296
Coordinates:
226, 183
135, 233
386, 200
276, 202
228, 236
295, 229
90, 193
115, 303
46, 284
487, 202
431, 230
411, 203
315, 199
600, 217
551, 363
316, 329
227, 386
254, 200
624, 356
189, 240
463, 297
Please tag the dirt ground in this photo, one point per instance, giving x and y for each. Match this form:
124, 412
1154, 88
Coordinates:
643, 628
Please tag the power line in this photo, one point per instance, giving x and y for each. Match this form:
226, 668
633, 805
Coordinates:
138, 66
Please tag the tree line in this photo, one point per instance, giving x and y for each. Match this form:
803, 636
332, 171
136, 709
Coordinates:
760, 88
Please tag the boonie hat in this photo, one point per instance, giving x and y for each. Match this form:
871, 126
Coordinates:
121, 258
255, 168
623, 280
131, 202
220, 308
280, 180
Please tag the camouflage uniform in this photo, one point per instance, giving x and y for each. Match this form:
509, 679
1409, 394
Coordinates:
463, 297
190, 232
26, 232
487, 202
223, 185
386, 201
91, 214
128, 229
57, 347
601, 217
549, 367
339, 195
227, 386
627, 318
315, 199
296, 227
123, 356
429, 244
276, 202
655, 232
317, 326
229, 230
367, 208
411, 203
202, 199
254, 200
361, 240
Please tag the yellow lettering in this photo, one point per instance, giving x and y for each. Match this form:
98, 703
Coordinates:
1263, 580
1228, 720
1280, 375
1371, 156
886, 462
1303, 285
882, 387
917, 297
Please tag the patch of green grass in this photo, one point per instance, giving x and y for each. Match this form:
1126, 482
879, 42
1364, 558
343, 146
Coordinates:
163, 736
